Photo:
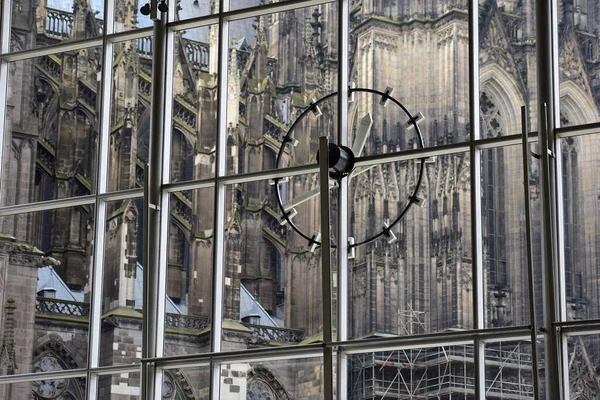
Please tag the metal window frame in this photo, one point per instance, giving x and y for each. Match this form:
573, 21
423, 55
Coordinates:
547, 38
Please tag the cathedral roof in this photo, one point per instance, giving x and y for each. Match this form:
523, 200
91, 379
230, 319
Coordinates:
249, 306
48, 279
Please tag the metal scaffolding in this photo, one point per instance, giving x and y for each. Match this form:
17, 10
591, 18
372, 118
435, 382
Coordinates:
445, 372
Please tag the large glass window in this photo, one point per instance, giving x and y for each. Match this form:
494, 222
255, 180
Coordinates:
210, 255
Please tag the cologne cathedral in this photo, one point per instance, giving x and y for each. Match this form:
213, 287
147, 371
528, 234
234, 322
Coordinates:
417, 281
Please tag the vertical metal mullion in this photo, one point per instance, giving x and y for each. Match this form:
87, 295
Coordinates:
476, 216
100, 215
96, 299
152, 205
158, 382
220, 201
562, 305
560, 238
326, 267
162, 276
166, 175
528, 247
5, 21
5, 28
546, 79
342, 214
479, 356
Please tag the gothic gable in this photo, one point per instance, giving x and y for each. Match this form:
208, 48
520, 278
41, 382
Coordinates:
496, 49
571, 64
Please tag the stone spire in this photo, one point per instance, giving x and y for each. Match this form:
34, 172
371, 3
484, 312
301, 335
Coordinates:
233, 87
8, 365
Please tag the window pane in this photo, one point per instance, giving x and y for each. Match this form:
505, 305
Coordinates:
437, 372
189, 272
239, 4
187, 9
508, 370
583, 372
122, 303
421, 281
40, 24
125, 385
287, 379
394, 44
272, 278
60, 388
278, 63
507, 62
52, 127
128, 16
186, 383
578, 62
44, 288
581, 209
194, 126
504, 241
130, 113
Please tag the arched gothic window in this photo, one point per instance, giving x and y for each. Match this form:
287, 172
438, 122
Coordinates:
494, 208
57, 389
263, 385
260, 390
491, 120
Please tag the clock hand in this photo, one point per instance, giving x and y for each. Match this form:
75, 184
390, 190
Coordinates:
364, 128
306, 196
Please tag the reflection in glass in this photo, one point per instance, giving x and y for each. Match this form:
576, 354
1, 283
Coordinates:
122, 386
43, 23
272, 278
45, 292
507, 52
129, 17
52, 127
421, 51
130, 113
184, 383
445, 372
578, 62
583, 359
60, 389
277, 64
282, 380
580, 163
508, 370
122, 303
504, 241
422, 281
189, 272
195, 78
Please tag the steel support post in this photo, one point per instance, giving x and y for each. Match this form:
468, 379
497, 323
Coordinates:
546, 97
326, 267
546, 60
342, 206
476, 215
152, 204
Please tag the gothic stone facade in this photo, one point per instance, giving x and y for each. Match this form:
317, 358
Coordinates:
420, 283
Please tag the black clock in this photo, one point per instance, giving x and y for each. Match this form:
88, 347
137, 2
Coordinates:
342, 161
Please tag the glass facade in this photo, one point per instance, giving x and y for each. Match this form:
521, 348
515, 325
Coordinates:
202, 271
